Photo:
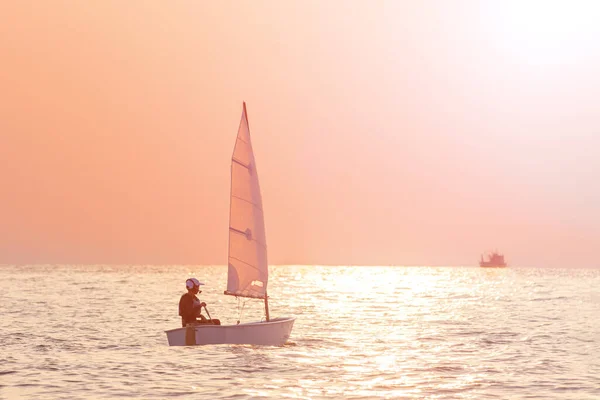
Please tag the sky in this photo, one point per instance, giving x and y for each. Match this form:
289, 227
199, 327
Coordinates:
385, 132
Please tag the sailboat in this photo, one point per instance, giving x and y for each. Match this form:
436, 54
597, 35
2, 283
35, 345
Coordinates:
248, 271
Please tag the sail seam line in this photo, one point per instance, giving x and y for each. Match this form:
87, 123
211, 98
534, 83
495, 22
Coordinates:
242, 140
240, 163
250, 265
247, 201
232, 229
237, 230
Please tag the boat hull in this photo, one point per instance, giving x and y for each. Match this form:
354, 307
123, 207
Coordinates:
272, 333
488, 265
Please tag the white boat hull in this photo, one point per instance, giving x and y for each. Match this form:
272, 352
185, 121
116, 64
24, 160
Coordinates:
273, 333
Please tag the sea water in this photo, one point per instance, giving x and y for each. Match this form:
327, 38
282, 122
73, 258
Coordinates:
92, 332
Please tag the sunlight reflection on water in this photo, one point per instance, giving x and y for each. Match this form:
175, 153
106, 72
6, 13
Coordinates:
413, 332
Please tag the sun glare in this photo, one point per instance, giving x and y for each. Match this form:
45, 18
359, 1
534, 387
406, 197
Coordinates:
545, 31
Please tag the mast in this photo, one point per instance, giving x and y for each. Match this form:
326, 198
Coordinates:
267, 306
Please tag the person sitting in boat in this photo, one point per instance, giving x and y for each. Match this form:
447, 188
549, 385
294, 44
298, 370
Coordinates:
190, 306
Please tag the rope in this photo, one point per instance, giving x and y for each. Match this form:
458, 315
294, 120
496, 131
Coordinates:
240, 311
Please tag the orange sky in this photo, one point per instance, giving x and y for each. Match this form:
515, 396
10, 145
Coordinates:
385, 132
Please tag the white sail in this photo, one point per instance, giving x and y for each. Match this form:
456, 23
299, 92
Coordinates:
248, 271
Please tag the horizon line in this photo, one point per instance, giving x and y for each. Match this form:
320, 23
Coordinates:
282, 265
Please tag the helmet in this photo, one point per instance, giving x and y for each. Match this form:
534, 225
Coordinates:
192, 282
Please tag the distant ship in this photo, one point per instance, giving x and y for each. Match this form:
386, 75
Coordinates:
494, 260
